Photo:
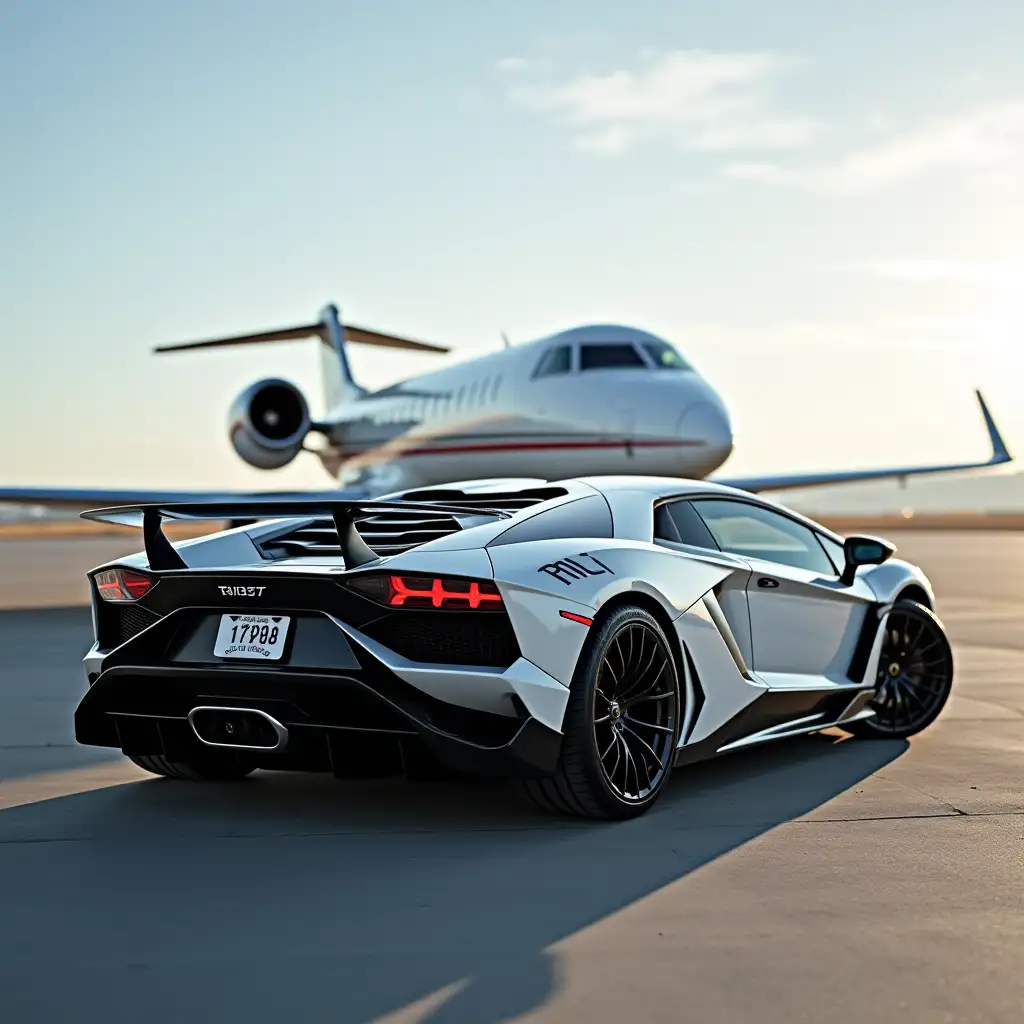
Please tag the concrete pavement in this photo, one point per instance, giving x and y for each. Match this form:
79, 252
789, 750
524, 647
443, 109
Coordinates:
824, 879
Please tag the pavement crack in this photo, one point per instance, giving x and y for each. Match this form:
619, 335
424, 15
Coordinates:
921, 792
911, 817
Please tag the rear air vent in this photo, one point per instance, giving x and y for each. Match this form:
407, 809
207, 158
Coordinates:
449, 638
394, 531
118, 623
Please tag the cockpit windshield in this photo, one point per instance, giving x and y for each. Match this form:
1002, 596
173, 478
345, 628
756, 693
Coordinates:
664, 356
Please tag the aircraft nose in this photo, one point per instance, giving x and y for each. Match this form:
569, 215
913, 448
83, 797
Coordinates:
706, 433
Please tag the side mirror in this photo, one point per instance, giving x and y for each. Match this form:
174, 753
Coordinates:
860, 551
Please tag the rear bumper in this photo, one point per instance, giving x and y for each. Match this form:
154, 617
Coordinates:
354, 679
335, 722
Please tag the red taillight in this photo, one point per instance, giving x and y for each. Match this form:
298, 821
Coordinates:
121, 585
429, 592
409, 591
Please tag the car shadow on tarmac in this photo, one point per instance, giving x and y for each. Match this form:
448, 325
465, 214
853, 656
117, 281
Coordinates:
318, 899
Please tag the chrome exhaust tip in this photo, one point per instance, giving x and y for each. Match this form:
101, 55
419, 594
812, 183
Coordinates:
238, 728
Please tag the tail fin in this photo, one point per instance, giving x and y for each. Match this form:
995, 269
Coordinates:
339, 385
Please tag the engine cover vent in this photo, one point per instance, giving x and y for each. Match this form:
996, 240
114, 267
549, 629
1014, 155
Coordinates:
394, 531
389, 533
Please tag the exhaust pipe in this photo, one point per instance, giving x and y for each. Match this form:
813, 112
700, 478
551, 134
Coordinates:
238, 728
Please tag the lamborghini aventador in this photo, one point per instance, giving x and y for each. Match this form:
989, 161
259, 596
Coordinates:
582, 637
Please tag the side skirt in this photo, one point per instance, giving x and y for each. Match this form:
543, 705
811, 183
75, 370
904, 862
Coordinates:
779, 714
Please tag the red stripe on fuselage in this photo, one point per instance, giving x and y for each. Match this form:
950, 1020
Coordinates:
524, 446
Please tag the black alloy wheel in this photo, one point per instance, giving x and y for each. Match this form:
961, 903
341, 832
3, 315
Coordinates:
621, 722
915, 674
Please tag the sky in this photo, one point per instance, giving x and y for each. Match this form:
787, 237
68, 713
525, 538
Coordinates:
821, 204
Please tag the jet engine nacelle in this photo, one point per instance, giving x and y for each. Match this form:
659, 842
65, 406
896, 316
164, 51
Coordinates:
268, 422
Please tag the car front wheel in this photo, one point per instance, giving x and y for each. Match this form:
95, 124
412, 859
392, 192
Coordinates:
915, 674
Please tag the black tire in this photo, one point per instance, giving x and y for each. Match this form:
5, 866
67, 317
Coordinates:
915, 675
212, 767
626, 663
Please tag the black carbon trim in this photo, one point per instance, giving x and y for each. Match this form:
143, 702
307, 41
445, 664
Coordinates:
699, 696
865, 641
770, 709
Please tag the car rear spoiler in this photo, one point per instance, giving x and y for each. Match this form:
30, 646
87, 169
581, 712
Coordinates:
355, 551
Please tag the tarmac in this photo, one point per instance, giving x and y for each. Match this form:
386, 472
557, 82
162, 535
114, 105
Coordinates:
822, 879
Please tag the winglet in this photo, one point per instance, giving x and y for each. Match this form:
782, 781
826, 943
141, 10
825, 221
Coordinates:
1000, 453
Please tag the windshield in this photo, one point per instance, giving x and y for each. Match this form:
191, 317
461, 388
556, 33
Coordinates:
608, 357
665, 356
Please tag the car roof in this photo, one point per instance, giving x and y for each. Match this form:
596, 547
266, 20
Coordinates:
660, 486
675, 487
655, 487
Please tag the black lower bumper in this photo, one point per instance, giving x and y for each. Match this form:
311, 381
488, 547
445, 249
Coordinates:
352, 724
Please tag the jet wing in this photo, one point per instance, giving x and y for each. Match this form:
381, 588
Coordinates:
787, 481
80, 499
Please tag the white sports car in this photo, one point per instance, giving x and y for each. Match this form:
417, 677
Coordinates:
583, 637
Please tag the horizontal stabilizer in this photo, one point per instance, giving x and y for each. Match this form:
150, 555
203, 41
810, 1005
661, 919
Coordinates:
1000, 455
360, 335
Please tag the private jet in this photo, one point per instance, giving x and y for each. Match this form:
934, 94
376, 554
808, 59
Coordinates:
592, 400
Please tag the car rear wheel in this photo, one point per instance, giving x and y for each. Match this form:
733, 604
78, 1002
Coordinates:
214, 767
621, 722
915, 675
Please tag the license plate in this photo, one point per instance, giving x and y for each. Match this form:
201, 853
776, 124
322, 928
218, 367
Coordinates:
256, 637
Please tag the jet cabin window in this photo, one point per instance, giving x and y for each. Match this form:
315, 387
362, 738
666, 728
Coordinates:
754, 532
607, 357
554, 361
664, 356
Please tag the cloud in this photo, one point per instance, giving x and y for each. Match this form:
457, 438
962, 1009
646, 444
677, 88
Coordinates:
986, 144
700, 100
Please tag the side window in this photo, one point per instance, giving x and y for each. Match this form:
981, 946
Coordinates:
554, 361
678, 521
835, 553
605, 357
755, 532
664, 528
583, 517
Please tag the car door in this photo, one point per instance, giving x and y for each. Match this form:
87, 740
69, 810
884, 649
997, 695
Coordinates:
804, 622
